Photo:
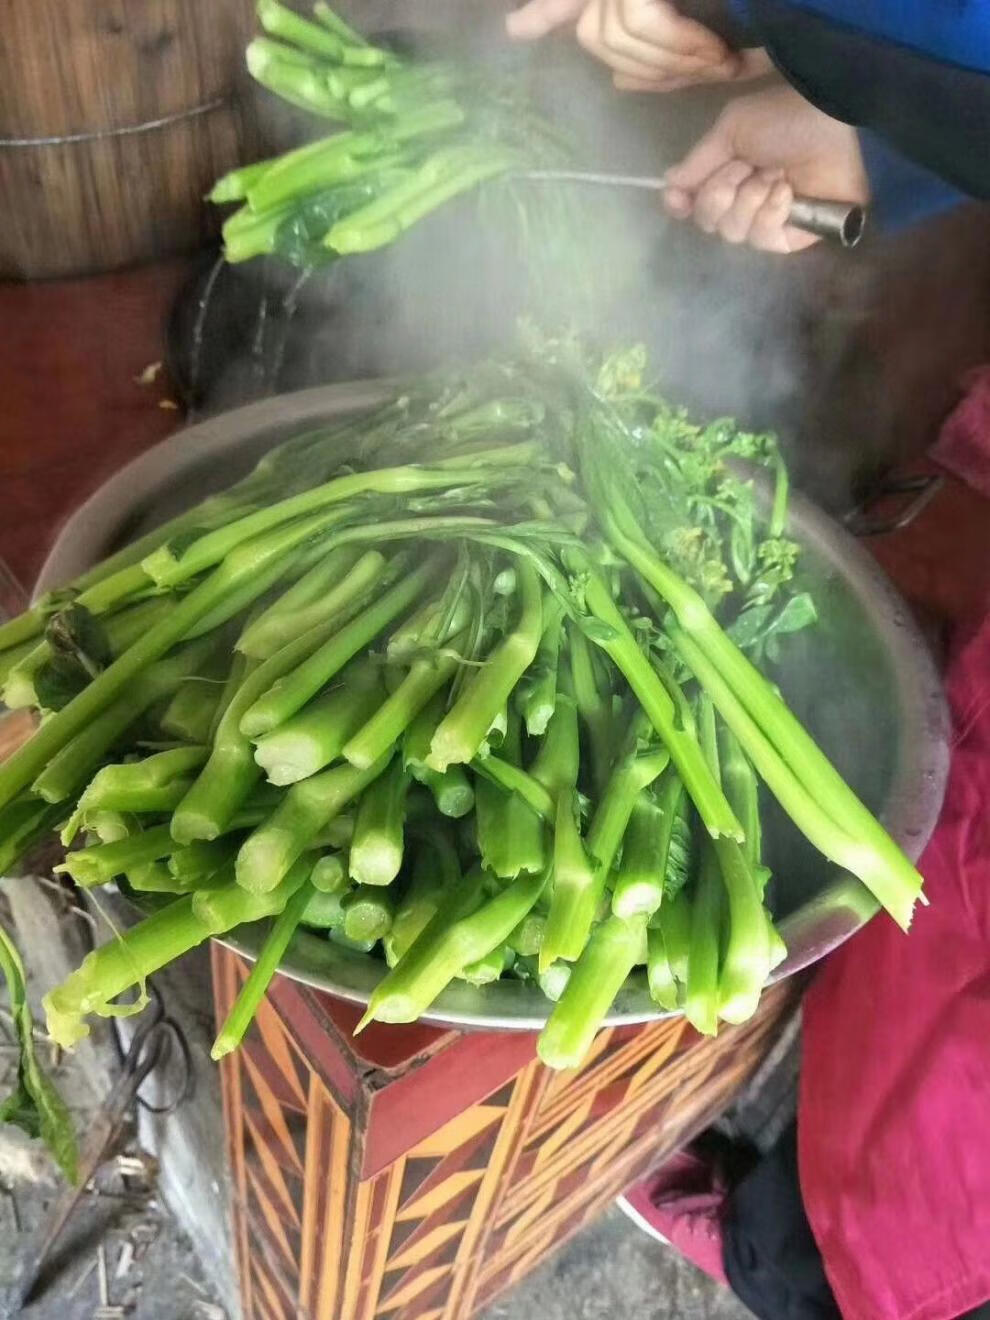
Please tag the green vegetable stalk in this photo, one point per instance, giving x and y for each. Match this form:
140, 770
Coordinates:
127, 961
460, 733
329, 591
435, 873
594, 705
466, 931
510, 834
638, 886
368, 913
575, 893
451, 790
317, 734
388, 723
538, 692
231, 771
849, 840
597, 977
656, 701
241, 566
291, 692
702, 997
252, 992
269, 853
377, 847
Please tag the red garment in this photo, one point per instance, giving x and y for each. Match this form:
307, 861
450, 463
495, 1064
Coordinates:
894, 1107
963, 444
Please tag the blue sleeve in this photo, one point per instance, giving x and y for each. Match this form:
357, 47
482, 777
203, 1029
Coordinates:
902, 192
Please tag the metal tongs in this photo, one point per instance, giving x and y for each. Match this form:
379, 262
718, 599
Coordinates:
841, 222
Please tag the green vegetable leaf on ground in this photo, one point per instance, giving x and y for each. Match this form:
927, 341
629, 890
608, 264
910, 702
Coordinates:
34, 1105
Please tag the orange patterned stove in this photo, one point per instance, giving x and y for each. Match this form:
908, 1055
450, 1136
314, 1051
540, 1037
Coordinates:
416, 1172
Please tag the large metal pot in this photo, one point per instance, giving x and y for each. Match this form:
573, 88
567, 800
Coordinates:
863, 681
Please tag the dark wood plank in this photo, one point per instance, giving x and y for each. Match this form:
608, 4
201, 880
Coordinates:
72, 410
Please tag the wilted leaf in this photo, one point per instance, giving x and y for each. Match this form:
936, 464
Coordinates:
34, 1105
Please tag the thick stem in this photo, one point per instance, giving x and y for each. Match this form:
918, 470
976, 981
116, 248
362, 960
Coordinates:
746, 961
594, 705
674, 919
703, 788
701, 996
435, 873
270, 851
377, 847
487, 970
243, 565
368, 913
613, 950
252, 992
426, 677
282, 622
462, 730
316, 736
886, 872
325, 909
539, 697
513, 779
575, 888
557, 762
329, 873
659, 973
189, 715
461, 934
231, 772
638, 887
103, 862
291, 692
510, 834
451, 790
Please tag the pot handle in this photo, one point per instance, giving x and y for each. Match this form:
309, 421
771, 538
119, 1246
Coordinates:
916, 493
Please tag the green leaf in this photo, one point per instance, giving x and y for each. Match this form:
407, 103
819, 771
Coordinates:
759, 626
798, 613
58, 681
80, 650
34, 1105
622, 373
22, 823
76, 632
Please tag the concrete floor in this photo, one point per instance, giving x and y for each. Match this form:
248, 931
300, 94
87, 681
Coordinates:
610, 1270
122, 1254
613, 1269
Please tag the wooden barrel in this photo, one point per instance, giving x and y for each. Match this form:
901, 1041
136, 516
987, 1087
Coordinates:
115, 118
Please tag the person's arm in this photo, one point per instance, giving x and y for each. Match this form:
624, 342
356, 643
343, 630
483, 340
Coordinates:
902, 193
648, 44
739, 181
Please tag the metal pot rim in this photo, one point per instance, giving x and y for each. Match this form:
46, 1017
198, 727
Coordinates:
817, 927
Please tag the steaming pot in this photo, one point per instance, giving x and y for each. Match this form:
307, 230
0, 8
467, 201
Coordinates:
863, 681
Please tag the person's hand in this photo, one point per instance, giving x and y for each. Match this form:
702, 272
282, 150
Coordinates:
648, 44
740, 179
